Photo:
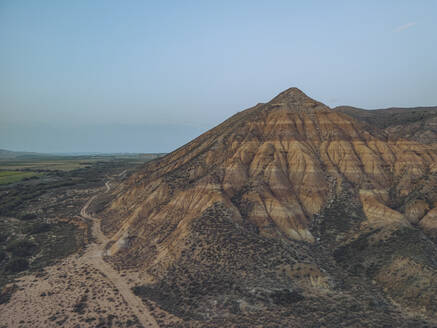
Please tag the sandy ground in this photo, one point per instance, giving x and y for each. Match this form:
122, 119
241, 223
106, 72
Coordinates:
81, 291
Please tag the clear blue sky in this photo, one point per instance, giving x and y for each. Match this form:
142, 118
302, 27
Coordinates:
148, 76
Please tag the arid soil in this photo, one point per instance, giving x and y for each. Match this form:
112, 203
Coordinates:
81, 291
94, 255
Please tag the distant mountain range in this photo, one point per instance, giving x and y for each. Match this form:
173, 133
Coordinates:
8, 154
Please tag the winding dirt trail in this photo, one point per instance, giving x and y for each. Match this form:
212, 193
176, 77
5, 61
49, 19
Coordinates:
94, 256
108, 186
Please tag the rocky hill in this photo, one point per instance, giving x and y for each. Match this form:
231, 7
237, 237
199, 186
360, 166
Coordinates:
418, 124
287, 214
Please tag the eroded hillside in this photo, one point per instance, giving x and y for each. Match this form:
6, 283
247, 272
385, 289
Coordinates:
289, 212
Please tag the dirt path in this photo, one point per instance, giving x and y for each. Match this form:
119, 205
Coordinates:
94, 255
108, 186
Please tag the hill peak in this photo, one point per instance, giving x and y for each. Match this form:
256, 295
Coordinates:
291, 95
295, 99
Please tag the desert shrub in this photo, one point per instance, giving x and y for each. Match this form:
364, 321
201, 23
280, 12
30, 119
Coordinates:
3, 237
22, 248
28, 216
17, 265
81, 305
6, 293
3, 256
37, 228
286, 297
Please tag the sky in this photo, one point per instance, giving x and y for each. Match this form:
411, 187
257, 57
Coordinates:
148, 76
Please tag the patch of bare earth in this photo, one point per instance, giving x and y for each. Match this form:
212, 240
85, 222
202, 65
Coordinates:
69, 294
80, 291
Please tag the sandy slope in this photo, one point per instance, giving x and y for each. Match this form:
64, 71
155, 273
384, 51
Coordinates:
95, 254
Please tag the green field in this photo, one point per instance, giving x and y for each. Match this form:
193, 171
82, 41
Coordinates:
15, 176
67, 163
15, 169
54, 164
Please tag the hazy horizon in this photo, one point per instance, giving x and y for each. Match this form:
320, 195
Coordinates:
108, 76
